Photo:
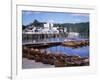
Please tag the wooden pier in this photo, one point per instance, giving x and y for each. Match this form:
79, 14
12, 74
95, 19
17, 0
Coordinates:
45, 40
42, 44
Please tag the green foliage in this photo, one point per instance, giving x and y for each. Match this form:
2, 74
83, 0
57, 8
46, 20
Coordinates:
36, 23
23, 27
77, 27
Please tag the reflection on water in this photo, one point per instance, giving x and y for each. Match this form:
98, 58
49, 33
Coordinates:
82, 51
63, 38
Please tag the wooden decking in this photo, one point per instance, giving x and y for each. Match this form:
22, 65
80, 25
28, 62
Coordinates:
42, 44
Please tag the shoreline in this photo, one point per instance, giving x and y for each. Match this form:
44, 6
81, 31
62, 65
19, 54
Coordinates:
58, 60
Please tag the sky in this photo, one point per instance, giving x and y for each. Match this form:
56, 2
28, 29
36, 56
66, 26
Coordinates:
54, 17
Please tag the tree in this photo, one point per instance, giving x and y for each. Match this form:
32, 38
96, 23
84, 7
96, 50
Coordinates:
36, 23
23, 27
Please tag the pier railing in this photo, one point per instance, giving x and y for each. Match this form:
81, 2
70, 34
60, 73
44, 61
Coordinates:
34, 37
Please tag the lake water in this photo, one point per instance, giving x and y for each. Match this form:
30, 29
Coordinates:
82, 51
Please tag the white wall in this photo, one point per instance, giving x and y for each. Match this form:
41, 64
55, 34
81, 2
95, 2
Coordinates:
5, 35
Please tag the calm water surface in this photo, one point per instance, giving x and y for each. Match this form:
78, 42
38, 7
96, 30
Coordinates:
82, 51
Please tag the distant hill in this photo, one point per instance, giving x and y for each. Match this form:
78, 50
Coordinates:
76, 27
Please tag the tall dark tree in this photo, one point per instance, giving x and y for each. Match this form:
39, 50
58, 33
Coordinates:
36, 22
23, 27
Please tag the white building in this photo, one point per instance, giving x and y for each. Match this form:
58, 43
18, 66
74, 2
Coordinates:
49, 28
73, 34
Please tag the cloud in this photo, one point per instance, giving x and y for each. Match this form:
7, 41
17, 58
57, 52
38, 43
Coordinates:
51, 21
80, 14
27, 12
30, 12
